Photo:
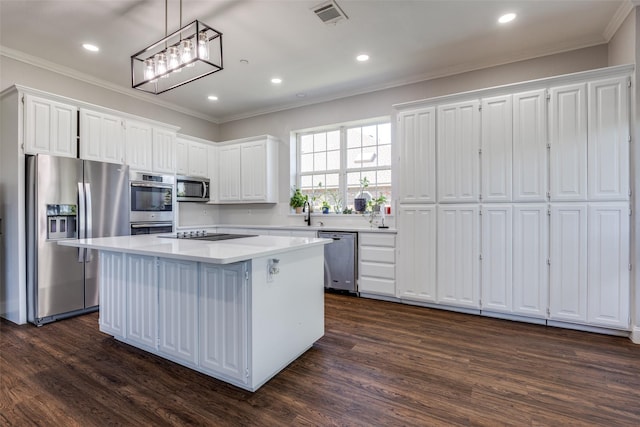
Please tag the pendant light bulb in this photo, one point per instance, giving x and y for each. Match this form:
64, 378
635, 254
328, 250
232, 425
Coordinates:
161, 65
174, 59
203, 46
149, 69
187, 51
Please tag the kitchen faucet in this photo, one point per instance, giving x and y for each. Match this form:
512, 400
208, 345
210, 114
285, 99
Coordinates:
307, 208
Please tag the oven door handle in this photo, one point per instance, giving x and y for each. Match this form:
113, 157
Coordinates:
151, 224
148, 185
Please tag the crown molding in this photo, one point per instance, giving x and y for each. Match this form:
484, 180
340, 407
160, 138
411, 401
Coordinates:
618, 18
74, 74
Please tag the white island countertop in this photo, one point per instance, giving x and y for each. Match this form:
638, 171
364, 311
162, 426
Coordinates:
216, 252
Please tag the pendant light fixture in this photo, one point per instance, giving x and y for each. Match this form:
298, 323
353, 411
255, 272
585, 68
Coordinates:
190, 53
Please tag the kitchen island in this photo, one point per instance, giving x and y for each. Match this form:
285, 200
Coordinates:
238, 310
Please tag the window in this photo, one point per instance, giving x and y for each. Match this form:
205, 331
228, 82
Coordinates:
332, 162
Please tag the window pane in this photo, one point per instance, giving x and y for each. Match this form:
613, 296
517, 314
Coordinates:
333, 140
306, 163
333, 160
320, 142
368, 158
369, 135
305, 181
384, 155
319, 181
320, 161
353, 179
384, 177
353, 157
354, 137
333, 180
384, 133
306, 144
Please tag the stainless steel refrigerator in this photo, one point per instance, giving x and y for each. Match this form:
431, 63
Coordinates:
69, 199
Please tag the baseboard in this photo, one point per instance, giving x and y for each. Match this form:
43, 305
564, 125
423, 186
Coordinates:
635, 335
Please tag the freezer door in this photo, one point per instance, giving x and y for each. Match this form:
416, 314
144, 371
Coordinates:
55, 278
107, 212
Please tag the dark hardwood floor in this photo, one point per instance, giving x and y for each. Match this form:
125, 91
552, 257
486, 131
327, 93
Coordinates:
379, 364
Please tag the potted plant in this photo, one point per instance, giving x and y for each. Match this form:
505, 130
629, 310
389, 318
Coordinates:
378, 202
325, 207
360, 201
297, 200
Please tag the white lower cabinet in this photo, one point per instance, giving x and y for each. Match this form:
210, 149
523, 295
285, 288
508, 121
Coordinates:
458, 255
376, 264
224, 321
142, 300
608, 258
497, 263
113, 287
178, 309
417, 253
530, 255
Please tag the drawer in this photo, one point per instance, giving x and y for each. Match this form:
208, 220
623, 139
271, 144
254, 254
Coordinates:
377, 286
377, 254
377, 239
383, 271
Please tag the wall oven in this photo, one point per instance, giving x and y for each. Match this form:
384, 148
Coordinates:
151, 208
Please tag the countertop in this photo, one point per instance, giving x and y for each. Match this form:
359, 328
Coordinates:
313, 227
220, 252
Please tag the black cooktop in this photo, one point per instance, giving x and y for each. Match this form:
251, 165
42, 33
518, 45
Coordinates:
210, 237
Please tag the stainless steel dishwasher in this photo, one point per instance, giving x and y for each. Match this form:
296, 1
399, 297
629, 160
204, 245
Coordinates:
340, 260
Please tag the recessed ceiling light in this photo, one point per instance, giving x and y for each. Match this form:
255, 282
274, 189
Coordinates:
362, 57
212, 98
301, 95
276, 80
507, 17
91, 47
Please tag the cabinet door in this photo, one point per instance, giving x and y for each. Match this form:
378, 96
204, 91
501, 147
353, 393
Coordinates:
101, 137
50, 127
178, 309
112, 293
530, 166
164, 151
568, 142
139, 146
497, 142
142, 300
417, 253
90, 135
253, 170
530, 254
608, 148
568, 269
458, 255
458, 158
182, 157
223, 312
417, 149
609, 256
497, 262
198, 155
212, 164
229, 173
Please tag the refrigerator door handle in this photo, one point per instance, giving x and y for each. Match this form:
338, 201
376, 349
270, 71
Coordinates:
88, 217
82, 227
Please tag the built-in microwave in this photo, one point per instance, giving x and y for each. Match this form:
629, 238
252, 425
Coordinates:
192, 189
151, 197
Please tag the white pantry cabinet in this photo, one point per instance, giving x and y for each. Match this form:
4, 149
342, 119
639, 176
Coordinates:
530, 255
497, 143
417, 155
50, 127
568, 142
377, 263
178, 309
458, 272
417, 253
101, 136
113, 287
458, 145
139, 145
608, 258
530, 165
497, 262
142, 300
608, 141
224, 320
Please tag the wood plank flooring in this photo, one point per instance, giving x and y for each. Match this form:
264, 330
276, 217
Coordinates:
379, 364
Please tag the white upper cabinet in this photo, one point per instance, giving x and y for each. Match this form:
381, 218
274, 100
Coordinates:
182, 157
212, 164
458, 270
417, 152
497, 262
497, 142
458, 143
530, 255
609, 257
530, 166
192, 156
229, 173
101, 137
164, 141
608, 149
139, 146
568, 141
50, 127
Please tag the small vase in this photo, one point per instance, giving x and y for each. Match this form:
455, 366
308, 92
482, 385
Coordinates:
325, 210
360, 204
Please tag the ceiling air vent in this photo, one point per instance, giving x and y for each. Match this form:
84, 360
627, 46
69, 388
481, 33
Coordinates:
329, 12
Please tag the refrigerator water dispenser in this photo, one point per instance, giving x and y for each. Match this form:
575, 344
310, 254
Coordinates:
62, 222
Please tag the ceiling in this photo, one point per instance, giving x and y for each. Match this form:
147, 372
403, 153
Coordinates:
407, 41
